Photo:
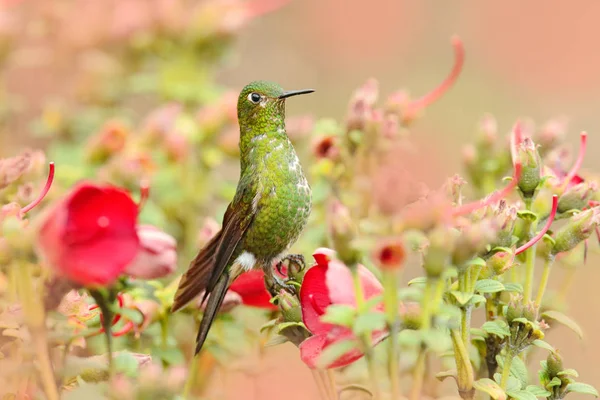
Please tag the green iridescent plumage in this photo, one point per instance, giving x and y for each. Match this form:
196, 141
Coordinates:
269, 211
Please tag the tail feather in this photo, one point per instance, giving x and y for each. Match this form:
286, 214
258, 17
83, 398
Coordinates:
197, 277
213, 305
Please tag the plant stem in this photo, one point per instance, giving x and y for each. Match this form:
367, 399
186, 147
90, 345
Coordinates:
529, 259
506, 369
358, 291
465, 375
35, 318
372, 372
543, 282
191, 380
331, 382
104, 301
390, 300
418, 376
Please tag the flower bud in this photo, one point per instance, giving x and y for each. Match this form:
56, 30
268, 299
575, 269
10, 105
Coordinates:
473, 239
530, 174
157, 256
554, 364
361, 105
389, 254
577, 196
289, 306
551, 134
326, 146
500, 262
343, 231
488, 128
442, 241
107, 142
577, 229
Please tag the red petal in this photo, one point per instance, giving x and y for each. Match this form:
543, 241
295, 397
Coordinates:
90, 236
251, 288
314, 298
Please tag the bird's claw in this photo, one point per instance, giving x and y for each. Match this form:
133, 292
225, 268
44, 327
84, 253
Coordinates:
295, 264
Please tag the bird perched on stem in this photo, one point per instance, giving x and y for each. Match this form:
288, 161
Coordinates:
269, 211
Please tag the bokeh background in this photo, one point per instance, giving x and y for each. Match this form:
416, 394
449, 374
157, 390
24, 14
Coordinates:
537, 59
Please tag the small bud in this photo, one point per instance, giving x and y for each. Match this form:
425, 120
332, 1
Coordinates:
361, 105
489, 131
554, 364
442, 242
289, 306
157, 256
530, 173
577, 229
473, 239
389, 254
326, 146
109, 141
577, 197
500, 262
391, 126
343, 231
551, 135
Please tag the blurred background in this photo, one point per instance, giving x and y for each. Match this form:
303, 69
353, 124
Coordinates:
537, 59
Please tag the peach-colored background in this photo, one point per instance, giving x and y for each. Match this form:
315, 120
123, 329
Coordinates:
524, 58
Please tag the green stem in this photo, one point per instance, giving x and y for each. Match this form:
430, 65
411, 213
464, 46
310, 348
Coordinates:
529, 259
543, 282
358, 291
390, 300
465, 375
465, 325
191, 380
506, 369
372, 372
418, 376
105, 301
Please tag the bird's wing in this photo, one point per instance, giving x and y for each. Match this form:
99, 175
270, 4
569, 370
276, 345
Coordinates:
211, 262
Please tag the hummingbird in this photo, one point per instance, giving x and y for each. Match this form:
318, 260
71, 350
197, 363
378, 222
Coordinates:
270, 208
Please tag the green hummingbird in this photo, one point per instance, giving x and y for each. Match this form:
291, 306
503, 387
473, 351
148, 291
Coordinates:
268, 212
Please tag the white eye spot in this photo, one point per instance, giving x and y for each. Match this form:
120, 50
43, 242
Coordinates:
103, 222
254, 97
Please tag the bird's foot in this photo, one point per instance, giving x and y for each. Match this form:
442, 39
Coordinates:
293, 263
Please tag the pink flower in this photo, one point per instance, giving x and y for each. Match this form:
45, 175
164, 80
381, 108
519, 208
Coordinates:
330, 282
157, 255
90, 236
250, 286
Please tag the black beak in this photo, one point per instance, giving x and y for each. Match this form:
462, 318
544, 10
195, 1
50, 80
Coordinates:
291, 93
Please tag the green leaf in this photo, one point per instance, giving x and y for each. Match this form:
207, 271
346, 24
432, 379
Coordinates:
409, 338
489, 286
461, 298
339, 314
87, 391
564, 320
569, 372
369, 322
437, 340
513, 384
268, 325
521, 395
554, 382
477, 300
527, 215
373, 301
132, 315
421, 280
513, 287
518, 369
583, 388
544, 345
171, 355
284, 325
498, 327
126, 363
477, 261
537, 391
490, 387
441, 376
335, 351
276, 340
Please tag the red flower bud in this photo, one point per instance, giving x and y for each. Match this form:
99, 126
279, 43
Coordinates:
157, 255
90, 236
389, 255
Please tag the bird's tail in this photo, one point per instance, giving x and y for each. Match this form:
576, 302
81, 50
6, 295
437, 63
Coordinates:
215, 299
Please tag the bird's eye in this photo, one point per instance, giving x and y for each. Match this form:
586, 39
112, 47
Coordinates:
254, 97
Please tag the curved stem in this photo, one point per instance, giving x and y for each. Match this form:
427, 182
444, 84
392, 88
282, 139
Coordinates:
435, 94
44, 191
543, 231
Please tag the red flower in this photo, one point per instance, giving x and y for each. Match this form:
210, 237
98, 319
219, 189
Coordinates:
90, 236
250, 286
157, 256
330, 282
